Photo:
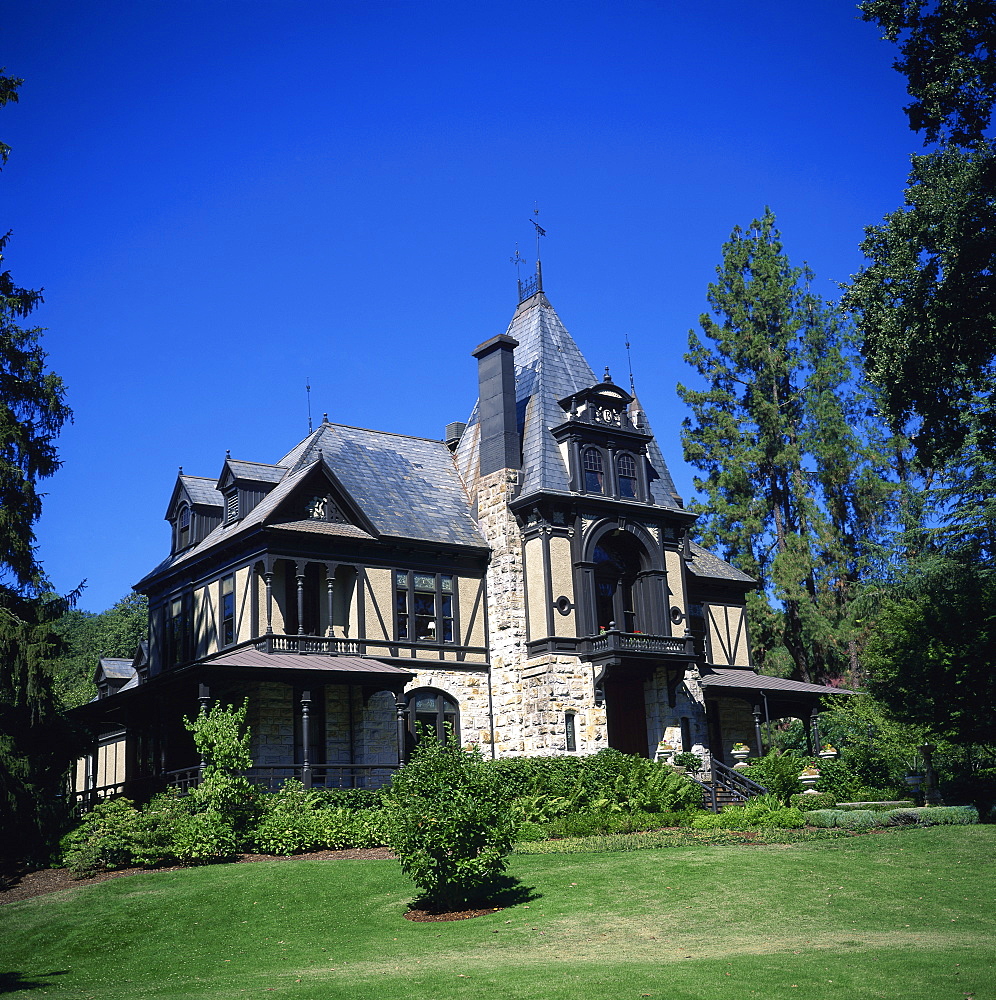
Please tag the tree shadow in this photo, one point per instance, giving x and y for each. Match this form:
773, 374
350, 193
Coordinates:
12, 982
501, 893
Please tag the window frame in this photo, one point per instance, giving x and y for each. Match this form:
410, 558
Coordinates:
227, 632
443, 700
406, 607
634, 477
590, 469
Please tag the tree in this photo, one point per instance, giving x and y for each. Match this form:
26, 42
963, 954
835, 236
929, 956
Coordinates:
797, 492
926, 302
87, 637
947, 57
36, 743
450, 823
931, 656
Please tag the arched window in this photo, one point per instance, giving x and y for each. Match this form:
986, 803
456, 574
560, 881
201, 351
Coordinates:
183, 527
626, 474
593, 471
432, 713
617, 564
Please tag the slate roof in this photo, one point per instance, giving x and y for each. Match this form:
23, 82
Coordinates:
257, 472
709, 566
116, 668
406, 487
549, 366
201, 490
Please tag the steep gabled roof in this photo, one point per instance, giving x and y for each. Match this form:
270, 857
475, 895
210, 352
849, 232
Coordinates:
405, 487
197, 490
549, 367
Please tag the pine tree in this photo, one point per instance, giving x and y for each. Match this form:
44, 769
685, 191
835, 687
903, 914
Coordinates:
796, 488
36, 742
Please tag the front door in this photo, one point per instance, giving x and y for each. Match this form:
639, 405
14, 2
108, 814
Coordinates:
626, 714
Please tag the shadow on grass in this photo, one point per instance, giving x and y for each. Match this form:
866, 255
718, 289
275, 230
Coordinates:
13, 982
502, 893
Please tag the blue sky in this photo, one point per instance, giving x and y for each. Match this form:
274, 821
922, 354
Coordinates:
223, 200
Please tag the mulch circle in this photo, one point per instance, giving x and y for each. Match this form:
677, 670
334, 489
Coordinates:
18, 884
428, 916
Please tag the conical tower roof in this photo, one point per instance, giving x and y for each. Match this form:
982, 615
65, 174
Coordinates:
549, 366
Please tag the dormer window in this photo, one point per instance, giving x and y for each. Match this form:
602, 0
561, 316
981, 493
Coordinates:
594, 476
626, 475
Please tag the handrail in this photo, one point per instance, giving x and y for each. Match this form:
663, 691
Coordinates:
707, 790
734, 782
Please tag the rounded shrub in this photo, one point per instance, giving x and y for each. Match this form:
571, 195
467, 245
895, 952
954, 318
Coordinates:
450, 822
809, 803
859, 819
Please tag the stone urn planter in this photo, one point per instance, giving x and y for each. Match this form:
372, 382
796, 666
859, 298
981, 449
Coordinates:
740, 753
829, 753
808, 779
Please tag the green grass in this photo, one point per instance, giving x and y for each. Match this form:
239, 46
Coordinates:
904, 913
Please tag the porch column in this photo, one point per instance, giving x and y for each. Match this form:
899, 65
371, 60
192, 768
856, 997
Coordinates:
400, 706
330, 569
818, 743
306, 738
757, 729
204, 700
268, 578
299, 576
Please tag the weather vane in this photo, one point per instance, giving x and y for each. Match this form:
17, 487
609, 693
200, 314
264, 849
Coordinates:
629, 362
517, 259
540, 231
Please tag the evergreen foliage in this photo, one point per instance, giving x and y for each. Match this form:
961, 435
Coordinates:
36, 744
796, 480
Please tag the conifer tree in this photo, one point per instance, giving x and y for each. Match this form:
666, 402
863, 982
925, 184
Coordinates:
36, 742
794, 475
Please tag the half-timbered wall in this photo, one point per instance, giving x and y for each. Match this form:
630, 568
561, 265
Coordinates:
726, 635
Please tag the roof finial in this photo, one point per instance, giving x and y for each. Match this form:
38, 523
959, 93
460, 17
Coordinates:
325, 418
180, 472
629, 361
307, 389
608, 377
228, 454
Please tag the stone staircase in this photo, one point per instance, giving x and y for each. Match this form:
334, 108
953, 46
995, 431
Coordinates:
726, 786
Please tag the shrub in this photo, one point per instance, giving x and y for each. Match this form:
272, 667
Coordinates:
223, 743
156, 828
348, 798
778, 772
858, 819
204, 837
105, 838
450, 822
692, 761
949, 815
822, 818
903, 817
545, 788
810, 803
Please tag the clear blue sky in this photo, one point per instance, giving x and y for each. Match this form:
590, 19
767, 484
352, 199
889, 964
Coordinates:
224, 199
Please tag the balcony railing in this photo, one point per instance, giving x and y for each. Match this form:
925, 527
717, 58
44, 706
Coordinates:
307, 644
613, 641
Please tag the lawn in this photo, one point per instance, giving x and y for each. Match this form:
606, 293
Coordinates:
903, 913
